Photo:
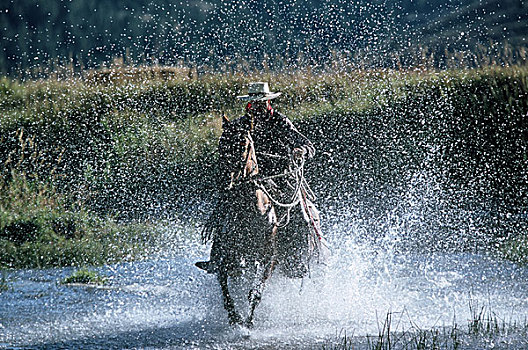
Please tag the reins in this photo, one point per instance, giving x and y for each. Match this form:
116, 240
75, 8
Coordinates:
298, 171
301, 188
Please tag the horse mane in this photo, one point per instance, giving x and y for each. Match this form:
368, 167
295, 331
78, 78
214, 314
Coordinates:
237, 158
237, 163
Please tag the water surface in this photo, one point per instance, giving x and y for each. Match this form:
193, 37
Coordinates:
167, 303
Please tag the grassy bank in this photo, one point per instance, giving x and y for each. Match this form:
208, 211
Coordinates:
83, 158
39, 228
441, 159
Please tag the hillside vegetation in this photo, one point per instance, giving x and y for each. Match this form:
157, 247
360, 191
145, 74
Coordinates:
86, 162
225, 34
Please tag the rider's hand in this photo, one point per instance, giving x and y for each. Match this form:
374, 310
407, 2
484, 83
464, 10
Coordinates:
298, 153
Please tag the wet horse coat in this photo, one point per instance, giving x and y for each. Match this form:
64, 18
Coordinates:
245, 237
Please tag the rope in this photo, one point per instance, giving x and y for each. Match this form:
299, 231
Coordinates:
270, 155
301, 191
300, 183
298, 171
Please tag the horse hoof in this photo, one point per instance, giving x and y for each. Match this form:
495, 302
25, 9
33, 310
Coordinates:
235, 319
249, 324
244, 331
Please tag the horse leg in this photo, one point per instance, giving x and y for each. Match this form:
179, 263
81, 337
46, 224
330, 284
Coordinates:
229, 304
255, 294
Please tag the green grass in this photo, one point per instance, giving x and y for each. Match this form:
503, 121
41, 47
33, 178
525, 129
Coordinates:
107, 243
85, 276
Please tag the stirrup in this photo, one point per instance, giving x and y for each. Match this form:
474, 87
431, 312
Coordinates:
208, 266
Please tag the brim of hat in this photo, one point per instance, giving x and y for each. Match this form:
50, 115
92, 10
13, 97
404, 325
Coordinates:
269, 96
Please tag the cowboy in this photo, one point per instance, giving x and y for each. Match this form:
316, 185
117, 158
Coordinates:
274, 135
277, 143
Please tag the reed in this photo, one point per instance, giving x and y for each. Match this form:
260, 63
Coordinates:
484, 327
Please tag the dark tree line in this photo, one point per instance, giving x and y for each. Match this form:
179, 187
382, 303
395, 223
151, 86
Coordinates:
89, 33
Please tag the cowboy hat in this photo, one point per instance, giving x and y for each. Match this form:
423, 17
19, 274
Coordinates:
259, 91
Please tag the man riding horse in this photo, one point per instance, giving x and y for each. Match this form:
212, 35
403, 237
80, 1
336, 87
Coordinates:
280, 150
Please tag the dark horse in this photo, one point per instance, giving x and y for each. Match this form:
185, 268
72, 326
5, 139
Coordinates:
246, 223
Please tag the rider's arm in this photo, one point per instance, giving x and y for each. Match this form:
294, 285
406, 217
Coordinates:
290, 135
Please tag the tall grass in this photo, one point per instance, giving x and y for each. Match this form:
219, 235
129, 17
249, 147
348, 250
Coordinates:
137, 143
42, 227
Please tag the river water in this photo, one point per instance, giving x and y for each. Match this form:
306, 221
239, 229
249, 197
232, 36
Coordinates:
167, 303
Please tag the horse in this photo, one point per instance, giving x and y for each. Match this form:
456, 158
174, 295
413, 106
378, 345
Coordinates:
245, 224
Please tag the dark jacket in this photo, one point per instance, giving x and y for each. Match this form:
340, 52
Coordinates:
275, 138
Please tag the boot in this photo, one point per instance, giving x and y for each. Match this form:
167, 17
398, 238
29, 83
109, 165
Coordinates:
208, 266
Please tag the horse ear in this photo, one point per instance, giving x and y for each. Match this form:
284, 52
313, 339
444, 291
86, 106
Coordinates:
225, 121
